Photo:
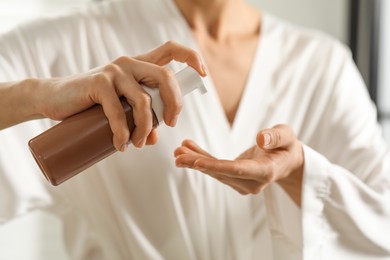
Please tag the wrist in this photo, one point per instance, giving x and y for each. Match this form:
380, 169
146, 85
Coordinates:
292, 183
31, 98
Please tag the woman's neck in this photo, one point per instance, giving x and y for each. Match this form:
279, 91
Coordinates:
221, 20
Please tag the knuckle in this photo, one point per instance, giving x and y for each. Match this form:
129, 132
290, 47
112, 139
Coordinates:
55, 113
170, 44
238, 170
123, 135
166, 74
111, 68
144, 100
270, 177
196, 55
122, 60
176, 105
102, 80
277, 138
242, 192
256, 190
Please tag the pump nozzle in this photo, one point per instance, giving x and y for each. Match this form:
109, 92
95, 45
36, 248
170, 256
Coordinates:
188, 79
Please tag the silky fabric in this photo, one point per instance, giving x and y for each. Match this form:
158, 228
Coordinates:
138, 205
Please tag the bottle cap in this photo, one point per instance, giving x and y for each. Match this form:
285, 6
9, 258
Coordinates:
188, 79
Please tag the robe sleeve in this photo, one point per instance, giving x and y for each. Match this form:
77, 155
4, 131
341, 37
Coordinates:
37, 49
345, 211
22, 187
48, 47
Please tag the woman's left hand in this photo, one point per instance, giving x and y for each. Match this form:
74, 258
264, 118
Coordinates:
277, 157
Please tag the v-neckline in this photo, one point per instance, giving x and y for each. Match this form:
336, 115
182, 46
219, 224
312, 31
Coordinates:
245, 110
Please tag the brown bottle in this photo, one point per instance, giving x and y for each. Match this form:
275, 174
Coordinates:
85, 138
76, 143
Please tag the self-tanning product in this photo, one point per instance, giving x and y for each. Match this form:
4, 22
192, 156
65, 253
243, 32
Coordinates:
85, 138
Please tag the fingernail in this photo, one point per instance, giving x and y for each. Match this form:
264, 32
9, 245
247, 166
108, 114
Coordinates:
124, 147
181, 165
203, 70
174, 121
267, 139
141, 143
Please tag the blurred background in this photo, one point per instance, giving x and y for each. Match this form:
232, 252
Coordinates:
363, 25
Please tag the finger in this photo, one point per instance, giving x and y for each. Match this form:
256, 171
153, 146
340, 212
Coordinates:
242, 169
141, 104
188, 160
143, 118
153, 75
196, 148
243, 186
184, 150
173, 51
280, 136
170, 94
104, 94
152, 137
190, 147
117, 119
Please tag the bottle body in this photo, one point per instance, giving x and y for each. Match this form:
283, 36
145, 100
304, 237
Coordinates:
76, 143
85, 138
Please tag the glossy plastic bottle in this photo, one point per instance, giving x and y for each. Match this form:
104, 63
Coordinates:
84, 139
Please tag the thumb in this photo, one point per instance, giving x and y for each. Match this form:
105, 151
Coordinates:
280, 136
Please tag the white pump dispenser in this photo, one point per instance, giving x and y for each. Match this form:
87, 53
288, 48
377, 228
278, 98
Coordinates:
188, 79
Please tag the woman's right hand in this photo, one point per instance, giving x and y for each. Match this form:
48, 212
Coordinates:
58, 98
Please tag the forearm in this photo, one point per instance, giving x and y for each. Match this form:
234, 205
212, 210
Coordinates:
18, 102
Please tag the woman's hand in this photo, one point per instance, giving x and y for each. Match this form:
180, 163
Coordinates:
58, 98
277, 157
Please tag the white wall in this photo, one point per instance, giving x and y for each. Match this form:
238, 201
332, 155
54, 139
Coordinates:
330, 16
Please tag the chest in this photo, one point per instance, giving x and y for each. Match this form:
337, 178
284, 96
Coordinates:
229, 66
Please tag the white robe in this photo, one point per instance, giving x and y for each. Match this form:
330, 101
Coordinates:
138, 205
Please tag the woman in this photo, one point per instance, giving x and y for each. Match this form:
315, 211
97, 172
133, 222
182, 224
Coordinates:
264, 72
